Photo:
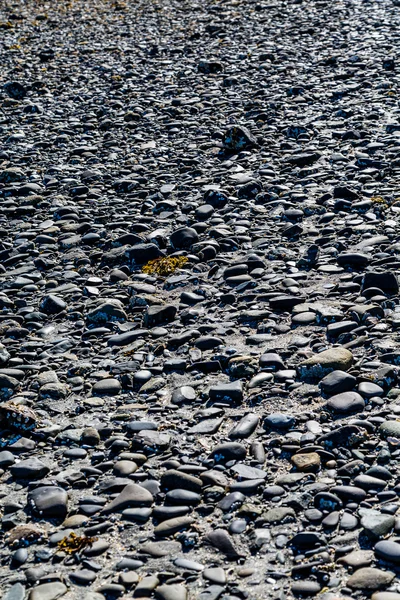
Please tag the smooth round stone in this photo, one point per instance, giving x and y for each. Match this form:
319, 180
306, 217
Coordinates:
142, 376
140, 515
331, 520
369, 390
259, 380
216, 575
30, 469
357, 559
106, 387
48, 591
173, 591
349, 493
82, 577
309, 461
123, 468
238, 526
19, 557
6, 459
305, 588
128, 564
313, 515
97, 548
48, 501
390, 429
337, 382
272, 491
109, 590
75, 453
182, 497
279, 421
369, 578
348, 522
305, 318
191, 565
346, 402
388, 550
15, 592
159, 549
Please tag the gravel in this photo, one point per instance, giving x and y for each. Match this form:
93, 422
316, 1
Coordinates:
199, 300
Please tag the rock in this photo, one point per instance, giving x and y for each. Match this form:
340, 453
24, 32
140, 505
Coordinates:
174, 591
388, 551
387, 282
337, 382
390, 429
52, 305
110, 310
230, 392
131, 495
4, 355
229, 451
221, 540
376, 525
369, 578
48, 502
346, 403
184, 237
182, 395
48, 591
141, 254
30, 469
107, 387
319, 365
357, 559
159, 314
176, 479
15, 90
238, 138
16, 592
307, 462
172, 526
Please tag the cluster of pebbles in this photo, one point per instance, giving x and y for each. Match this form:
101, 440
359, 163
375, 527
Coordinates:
223, 423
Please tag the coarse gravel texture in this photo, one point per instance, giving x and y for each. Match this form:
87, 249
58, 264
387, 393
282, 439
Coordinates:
223, 423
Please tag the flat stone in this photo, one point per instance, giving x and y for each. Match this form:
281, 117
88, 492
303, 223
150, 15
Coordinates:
388, 550
48, 591
174, 591
369, 578
132, 495
307, 462
346, 403
318, 366
357, 559
48, 501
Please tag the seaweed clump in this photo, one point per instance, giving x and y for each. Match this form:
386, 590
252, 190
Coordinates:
73, 543
165, 265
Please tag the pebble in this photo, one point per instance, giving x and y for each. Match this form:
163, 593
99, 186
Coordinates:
388, 550
48, 591
370, 578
